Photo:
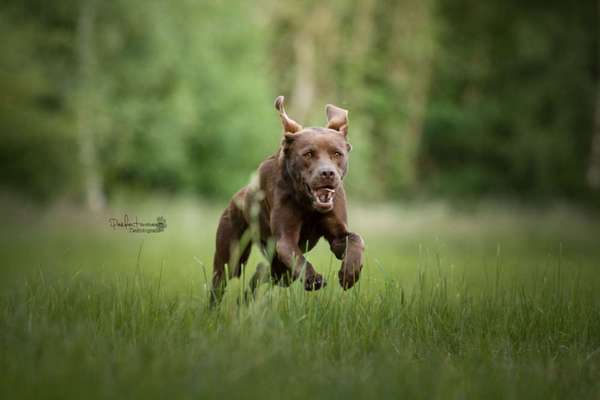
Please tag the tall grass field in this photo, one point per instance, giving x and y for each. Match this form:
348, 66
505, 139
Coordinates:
490, 302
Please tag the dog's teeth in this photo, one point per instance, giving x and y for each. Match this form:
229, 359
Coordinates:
324, 195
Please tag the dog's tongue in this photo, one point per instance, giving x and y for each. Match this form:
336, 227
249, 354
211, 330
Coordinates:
324, 195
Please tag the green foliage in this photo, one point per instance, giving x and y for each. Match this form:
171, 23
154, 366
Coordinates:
513, 98
445, 96
179, 97
37, 139
190, 99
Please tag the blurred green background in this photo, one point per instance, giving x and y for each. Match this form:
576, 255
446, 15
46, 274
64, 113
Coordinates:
165, 108
447, 98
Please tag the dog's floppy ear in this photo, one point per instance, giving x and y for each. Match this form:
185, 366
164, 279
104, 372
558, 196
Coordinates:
289, 125
337, 119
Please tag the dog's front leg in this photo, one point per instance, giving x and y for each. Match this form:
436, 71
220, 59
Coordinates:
348, 247
291, 256
286, 224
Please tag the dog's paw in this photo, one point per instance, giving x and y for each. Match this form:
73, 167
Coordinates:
348, 278
314, 282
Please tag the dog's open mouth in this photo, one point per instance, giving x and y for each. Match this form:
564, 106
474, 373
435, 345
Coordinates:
323, 198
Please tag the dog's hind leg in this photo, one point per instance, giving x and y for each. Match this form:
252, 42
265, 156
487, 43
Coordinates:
260, 276
228, 252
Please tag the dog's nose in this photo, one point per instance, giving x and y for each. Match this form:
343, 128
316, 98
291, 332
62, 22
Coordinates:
327, 173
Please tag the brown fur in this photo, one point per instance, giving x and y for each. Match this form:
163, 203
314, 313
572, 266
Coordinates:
310, 161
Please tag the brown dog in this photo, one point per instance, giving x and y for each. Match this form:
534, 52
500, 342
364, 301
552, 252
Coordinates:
297, 199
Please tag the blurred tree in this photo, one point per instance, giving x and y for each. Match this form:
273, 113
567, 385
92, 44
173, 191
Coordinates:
396, 77
511, 106
85, 104
372, 57
593, 174
454, 96
154, 96
191, 104
38, 141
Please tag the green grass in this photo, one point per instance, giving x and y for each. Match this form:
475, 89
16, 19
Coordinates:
493, 303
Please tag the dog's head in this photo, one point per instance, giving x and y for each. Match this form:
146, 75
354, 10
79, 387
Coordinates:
316, 159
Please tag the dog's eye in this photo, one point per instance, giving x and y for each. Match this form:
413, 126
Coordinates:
337, 155
308, 155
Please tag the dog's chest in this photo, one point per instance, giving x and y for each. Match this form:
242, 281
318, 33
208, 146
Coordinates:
310, 234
